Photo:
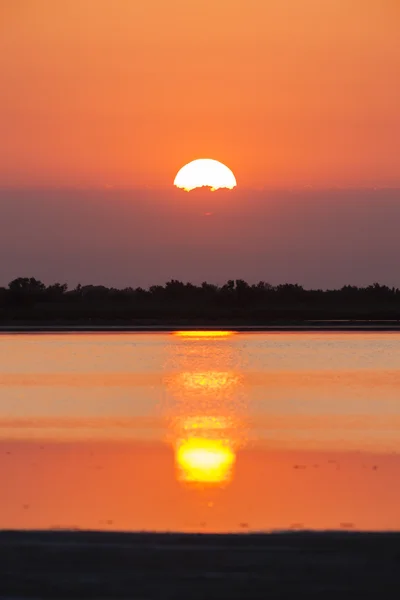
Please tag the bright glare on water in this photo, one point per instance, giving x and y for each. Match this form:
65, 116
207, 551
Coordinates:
200, 431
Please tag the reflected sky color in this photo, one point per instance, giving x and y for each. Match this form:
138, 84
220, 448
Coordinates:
160, 431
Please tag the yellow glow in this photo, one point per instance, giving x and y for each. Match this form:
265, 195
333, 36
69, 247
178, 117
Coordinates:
202, 460
203, 334
205, 449
207, 381
207, 403
208, 424
205, 172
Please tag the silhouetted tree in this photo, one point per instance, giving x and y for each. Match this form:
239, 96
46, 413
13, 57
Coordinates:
28, 298
26, 285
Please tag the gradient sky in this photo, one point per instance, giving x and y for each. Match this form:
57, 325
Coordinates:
121, 92
104, 100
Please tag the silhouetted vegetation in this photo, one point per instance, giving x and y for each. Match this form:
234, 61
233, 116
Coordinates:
27, 299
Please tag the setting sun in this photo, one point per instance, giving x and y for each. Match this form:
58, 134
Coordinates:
205, 172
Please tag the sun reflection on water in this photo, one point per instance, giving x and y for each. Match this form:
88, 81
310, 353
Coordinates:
205, 381
203, 460
203, 334
206, 408
205, 449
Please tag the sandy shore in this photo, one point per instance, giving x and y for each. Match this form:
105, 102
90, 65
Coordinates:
72, 565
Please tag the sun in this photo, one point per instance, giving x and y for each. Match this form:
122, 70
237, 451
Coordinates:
205, 172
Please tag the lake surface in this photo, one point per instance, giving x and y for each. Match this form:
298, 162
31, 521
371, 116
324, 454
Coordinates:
200, 431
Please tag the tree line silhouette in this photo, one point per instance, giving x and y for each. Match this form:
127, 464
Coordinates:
28, 299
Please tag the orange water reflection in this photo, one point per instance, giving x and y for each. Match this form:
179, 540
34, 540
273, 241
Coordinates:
205, 411
114, 485
82, 444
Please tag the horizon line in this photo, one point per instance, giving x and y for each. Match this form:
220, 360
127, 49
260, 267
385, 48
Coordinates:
172, 188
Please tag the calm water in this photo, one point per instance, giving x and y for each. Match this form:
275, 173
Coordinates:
200, 432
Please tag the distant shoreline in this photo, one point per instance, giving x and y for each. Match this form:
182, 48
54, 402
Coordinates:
309, 326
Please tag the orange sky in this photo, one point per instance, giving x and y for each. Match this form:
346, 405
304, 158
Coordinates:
121, 92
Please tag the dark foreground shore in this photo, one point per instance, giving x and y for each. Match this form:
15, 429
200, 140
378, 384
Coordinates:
80, 565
